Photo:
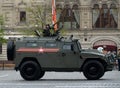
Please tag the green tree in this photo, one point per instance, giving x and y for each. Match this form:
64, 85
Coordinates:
37, 16
36, 19
2, 39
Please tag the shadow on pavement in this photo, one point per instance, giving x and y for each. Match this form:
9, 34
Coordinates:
73, 80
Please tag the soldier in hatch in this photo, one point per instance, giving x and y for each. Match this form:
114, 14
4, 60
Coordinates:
46, 31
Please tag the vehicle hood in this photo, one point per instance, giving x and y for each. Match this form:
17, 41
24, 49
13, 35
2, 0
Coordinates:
91, 53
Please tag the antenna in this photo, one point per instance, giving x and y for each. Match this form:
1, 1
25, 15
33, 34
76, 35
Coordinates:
37, 33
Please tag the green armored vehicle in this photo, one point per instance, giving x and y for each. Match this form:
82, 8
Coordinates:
35, 56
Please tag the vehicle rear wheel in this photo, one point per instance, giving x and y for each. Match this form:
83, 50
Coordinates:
30, 70
93, 70
10, 50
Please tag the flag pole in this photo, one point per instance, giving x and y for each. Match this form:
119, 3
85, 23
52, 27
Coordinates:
54, 18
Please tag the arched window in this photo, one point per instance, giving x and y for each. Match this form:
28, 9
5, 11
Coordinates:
105, 17
113, 16
96, 13
75, 10
58, 10
69, 17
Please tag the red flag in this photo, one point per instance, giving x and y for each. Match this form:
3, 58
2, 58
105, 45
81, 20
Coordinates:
54, 19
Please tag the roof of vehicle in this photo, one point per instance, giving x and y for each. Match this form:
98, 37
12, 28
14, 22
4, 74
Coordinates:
45, 39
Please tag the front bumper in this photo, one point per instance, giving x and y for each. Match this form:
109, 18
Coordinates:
110, 62
109, 67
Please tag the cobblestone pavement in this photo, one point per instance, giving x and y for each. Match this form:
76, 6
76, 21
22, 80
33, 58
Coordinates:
12, 79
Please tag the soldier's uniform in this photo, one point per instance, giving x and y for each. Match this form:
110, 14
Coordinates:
46, 31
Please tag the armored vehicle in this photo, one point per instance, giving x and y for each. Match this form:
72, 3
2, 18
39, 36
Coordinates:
33, 56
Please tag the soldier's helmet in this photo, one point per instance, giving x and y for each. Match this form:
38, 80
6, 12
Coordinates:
47, 26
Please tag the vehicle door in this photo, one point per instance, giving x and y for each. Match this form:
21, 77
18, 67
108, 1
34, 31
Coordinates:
49, 57
69, 55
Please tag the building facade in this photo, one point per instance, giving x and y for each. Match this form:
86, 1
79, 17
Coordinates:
96, 23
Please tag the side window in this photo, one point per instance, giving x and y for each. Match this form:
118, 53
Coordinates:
67, 47
50, 44
31, 44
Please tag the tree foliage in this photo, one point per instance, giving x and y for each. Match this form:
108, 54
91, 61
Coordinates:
2, 39
37, 15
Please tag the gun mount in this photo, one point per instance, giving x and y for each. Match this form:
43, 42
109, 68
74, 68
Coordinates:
47, 31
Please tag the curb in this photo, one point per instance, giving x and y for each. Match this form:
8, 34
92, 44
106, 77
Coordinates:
7, 64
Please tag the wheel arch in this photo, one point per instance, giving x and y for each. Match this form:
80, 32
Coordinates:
28, 59
97, 59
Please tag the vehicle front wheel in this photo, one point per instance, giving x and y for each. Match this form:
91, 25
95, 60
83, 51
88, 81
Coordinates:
42, 73
93, 70
30, 70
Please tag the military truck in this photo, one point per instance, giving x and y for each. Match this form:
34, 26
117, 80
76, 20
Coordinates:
33, 56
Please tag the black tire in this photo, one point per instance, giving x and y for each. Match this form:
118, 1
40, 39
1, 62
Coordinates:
30, 70
93, 70
10, 50
42, 73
